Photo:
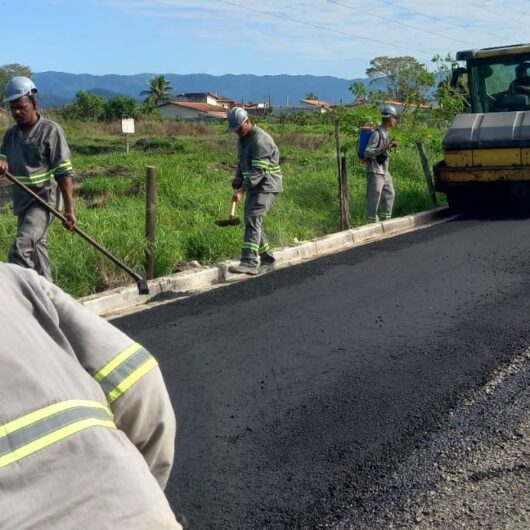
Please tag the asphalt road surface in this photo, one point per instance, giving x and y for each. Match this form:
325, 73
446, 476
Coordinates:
370, 389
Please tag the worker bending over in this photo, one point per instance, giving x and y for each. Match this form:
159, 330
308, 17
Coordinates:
87, 430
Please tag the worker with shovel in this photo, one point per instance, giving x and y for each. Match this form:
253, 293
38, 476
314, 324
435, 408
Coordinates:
259, 176
35, 150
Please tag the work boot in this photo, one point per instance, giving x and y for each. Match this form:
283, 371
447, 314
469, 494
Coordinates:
244, 268
267, 259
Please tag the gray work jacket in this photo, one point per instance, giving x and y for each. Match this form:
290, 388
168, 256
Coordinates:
37, 159
375, 149
259, 162
86, 426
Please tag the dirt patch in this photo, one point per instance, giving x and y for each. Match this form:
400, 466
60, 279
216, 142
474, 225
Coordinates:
97, 201
105, 171
302, 141
165, 145
92, 149
222, 166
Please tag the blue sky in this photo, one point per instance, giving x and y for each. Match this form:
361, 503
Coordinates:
319, 37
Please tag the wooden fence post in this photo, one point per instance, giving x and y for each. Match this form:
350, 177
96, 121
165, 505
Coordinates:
150, 221
342, 171
345, 219
427, 172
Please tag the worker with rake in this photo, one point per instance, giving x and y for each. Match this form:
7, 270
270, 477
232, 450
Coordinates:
259, 176
36, 152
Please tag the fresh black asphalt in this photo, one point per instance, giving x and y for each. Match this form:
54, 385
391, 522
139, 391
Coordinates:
300, 394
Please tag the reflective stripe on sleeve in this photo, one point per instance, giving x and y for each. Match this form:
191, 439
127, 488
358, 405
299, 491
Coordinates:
127, 368
40, 429
266, 166
64, 167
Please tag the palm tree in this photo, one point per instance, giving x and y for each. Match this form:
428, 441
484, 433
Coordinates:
159, 88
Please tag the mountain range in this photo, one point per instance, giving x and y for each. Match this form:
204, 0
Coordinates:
58, 88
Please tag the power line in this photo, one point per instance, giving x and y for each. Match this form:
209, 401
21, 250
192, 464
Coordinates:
320, 27
496, 13
432, 17
397, 22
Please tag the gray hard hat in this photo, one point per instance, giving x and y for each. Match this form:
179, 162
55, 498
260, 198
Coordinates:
236, 117
19, 86
388, 110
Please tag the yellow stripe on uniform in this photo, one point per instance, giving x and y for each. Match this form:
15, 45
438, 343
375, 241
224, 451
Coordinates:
44, 427
123, 356
45, 412
122, 387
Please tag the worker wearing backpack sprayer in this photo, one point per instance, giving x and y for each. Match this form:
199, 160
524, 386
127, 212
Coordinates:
35, 150
379, 187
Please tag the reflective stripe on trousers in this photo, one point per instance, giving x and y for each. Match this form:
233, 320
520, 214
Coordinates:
44, 427
257, 204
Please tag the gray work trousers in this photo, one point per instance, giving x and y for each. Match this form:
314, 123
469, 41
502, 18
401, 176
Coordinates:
257, 204
30, 248
380, 194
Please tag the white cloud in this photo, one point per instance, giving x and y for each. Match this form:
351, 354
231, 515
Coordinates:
321, 30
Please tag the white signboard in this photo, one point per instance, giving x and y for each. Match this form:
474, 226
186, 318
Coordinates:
127, 125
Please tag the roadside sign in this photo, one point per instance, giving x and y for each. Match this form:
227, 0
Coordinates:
127, 125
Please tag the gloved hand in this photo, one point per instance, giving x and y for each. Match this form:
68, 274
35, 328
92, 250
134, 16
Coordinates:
237, 182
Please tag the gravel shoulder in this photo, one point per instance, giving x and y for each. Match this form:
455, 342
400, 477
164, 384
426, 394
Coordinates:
474, 473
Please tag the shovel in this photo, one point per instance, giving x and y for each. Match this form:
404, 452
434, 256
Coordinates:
141, 282
232, 220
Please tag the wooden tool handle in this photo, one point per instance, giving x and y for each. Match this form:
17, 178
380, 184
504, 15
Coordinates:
75, 229
233, 209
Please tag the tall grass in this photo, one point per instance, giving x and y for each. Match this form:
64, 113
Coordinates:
195, 163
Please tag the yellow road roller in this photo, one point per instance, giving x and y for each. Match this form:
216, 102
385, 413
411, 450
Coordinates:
487, 150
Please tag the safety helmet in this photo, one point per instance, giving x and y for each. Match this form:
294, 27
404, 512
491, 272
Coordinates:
19, 86
236, 117
388, 110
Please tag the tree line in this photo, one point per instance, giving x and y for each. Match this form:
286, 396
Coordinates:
88, 106
400, 78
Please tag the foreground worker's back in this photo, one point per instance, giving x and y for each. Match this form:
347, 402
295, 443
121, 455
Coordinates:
85, 419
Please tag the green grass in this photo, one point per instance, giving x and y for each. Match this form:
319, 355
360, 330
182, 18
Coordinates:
195, 164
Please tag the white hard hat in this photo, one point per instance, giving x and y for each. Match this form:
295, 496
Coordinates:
19, 86
388, 110
236, 117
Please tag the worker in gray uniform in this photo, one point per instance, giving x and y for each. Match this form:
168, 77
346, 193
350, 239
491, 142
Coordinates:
87, 430
35, 151
259, 176
380, 192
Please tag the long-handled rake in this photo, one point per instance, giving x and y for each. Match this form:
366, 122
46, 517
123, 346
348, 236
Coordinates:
141, 282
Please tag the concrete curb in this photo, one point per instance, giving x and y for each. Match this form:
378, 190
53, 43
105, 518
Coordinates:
195, 280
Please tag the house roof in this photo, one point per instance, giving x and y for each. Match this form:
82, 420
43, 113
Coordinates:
205, 108
317, 103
